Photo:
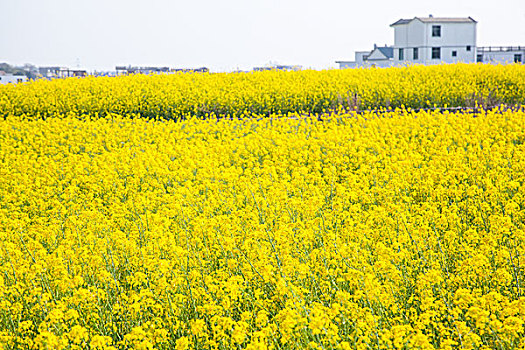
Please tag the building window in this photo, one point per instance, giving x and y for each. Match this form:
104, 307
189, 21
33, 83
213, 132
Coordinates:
468, 47
517, 58
436, 53
401, 56
454, 53
436, 31
415, 54
479, 58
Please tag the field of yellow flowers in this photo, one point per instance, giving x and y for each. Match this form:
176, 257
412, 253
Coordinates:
381, 230
264, 93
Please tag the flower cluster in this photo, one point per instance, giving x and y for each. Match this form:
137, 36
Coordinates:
181, 95
393, 230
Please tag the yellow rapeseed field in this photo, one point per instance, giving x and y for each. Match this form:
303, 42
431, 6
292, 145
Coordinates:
178, 96
379, 230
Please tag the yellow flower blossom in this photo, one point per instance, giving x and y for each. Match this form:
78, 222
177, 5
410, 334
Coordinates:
311, 227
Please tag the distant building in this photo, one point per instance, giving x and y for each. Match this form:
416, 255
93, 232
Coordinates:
501, 54
78, 73
122, 70
281, 67
13, 79
379, 57
53, 72
141, 70
60, 72
104, 73
434, 40
190, 70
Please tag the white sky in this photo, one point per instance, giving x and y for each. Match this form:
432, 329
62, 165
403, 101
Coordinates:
226, 34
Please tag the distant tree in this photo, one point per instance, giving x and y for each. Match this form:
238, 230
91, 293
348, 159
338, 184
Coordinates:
31, 70
28, 69
5, 67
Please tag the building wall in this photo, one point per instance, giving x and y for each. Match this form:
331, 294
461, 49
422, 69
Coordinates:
376, 55
14, 79
349, 64
454, 37
366, 64
359, 56
502, 57
400, 36
380, 63
416, 34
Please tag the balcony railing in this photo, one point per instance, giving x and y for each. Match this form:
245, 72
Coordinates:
500, 48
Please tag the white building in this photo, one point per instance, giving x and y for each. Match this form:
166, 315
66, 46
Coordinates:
434, 40
14, 79
501, 54
381, 57
283, 67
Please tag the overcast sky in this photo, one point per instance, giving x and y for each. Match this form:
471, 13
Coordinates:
226, 34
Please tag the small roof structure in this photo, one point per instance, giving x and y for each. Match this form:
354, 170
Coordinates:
388, 51
380, 53
401, 21
432, 19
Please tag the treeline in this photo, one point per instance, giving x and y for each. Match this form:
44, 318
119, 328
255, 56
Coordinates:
28, 70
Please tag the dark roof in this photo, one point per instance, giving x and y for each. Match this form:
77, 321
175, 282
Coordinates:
446, 19
436, 20
387, 51
401, 21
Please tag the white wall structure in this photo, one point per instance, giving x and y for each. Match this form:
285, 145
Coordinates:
347, 64
14, 79
501, 54
434, 40
381, 57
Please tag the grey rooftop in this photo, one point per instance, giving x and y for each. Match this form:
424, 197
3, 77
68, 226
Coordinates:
432, 19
